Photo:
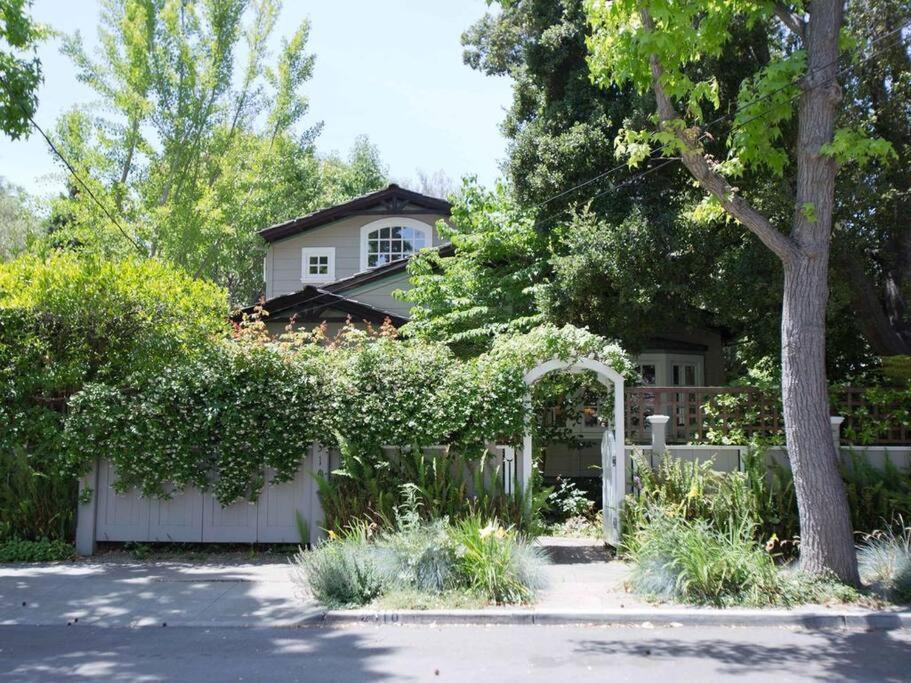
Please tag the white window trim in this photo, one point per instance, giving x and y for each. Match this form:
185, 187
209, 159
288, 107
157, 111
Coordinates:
391, 222
306, 253
664, 366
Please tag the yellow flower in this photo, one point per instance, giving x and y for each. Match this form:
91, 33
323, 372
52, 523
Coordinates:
332, 535
488, 530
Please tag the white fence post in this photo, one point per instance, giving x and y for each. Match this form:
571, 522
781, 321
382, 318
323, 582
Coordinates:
87, 512
659, 435
835, 421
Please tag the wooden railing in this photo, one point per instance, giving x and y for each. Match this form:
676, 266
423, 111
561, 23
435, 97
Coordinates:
752, 412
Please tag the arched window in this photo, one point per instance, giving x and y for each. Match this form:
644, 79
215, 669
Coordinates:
392, 239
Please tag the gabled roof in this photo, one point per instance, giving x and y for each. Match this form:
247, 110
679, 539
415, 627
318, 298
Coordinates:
308, 304
390, 200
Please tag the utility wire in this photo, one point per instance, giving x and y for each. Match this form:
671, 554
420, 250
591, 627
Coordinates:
731, 115
666, 162
73, 172
737, 126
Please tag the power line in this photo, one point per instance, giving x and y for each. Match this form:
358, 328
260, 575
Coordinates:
633, 178
72, 171
730, 115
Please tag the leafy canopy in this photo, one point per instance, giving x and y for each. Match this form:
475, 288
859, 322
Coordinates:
20, 68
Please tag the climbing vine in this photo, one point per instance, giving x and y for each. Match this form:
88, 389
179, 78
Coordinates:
245, 411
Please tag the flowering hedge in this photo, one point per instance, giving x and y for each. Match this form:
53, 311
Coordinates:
219, 420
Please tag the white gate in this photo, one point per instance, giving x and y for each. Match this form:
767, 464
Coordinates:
613, 454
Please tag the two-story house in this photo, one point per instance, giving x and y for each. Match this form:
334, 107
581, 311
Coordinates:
348, 259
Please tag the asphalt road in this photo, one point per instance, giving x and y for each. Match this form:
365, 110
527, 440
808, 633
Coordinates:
452, 653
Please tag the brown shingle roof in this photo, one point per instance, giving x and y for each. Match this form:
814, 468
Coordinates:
393, 197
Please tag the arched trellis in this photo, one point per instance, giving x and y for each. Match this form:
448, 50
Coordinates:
613, 455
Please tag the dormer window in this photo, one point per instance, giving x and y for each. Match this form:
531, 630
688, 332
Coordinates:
392, 239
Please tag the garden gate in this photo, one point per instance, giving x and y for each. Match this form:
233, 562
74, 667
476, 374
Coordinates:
613, 454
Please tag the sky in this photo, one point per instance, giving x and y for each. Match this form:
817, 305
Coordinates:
390, 70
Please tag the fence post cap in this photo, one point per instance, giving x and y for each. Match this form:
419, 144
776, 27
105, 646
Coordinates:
836, 420
658, 419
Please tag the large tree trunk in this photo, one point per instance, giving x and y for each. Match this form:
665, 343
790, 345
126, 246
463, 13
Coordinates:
825, 523
827, 543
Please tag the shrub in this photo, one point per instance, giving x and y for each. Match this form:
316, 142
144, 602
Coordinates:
420, 553
495, 562
345, 571
66, 321
471, 559
691, 560
692, 491
44, 550
884, 559
567, 501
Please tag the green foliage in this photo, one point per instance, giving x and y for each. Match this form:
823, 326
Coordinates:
371, 485
101, 320
879, 498
567, 501
215, 419
43, 550
761, 498
753, 416
718, 561
495, 562
692, 560
345, 572
68, 321
436, 558
487, 287
234, 413
884, 560
35, 500
18, 222
200, 139
19, 66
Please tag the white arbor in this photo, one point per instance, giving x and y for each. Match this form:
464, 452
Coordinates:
613, 455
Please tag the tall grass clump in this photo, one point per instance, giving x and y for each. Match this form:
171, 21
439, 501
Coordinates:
495, 562
884, 560
692, 560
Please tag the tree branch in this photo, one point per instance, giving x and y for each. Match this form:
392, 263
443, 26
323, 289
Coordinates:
698, 165
792, 21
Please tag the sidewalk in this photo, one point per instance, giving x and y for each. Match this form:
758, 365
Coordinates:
583, 588
151, 594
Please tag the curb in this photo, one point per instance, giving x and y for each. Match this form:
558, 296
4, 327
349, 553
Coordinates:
870, 621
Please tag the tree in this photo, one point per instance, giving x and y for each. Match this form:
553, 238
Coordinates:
658, 46
872, 243
20, 69
196, 148
489, 285
18, 223
562, 129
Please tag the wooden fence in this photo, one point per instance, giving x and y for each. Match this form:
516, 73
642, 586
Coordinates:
742, 412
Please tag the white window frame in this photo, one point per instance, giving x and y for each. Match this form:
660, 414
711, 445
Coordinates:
306, 253
392, 222
664, 366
